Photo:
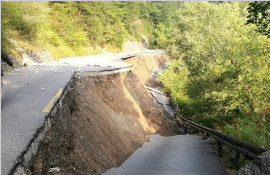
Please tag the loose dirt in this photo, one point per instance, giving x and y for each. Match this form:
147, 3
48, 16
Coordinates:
102, 121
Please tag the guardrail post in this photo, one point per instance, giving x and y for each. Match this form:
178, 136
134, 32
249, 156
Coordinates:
237, 156
234, 161
219, 148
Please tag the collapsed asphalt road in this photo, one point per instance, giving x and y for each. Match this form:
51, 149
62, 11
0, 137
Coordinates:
27, 93
27, 99
182, 155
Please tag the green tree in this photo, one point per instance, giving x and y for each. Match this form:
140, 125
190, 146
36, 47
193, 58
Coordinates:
228, 68
259, 14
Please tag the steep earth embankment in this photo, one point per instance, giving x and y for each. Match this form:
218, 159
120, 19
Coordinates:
102, 121
147, 66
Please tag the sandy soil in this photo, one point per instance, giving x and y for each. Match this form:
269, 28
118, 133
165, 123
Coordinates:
103, 120
152, 111
143, 66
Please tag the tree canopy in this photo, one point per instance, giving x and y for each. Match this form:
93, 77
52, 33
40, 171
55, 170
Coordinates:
222, 77
259, 14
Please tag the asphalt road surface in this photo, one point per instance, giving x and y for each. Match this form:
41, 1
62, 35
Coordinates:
176, 155
26, 92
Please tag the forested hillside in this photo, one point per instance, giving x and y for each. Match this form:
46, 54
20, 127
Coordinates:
78, 28
219, 72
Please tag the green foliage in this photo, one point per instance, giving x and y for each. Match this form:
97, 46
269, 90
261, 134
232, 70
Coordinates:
224, 76
161, 34
250, 129
259, 14
76, 28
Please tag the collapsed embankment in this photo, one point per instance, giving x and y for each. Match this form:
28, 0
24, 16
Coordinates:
103, 120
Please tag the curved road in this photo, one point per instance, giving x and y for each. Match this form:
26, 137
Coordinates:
28, 90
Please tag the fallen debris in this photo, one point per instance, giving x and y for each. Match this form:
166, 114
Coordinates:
55, 169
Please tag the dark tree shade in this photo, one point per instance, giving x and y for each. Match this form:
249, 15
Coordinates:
259, 14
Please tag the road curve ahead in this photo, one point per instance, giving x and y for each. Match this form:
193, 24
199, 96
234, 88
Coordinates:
27, 91
176, 155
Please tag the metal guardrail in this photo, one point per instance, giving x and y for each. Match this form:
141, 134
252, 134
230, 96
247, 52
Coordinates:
248, 150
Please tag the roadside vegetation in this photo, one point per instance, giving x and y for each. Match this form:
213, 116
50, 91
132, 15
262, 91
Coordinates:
220, 71
79, 28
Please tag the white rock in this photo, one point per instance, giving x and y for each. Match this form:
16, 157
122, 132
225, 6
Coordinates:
54, 169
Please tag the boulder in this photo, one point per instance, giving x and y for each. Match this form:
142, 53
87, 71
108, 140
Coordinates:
260, 166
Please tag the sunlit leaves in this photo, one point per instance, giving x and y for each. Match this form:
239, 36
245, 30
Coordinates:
228, 67
259, 14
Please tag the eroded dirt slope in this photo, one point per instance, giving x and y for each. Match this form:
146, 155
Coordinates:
152, 111
145, 64
103, 120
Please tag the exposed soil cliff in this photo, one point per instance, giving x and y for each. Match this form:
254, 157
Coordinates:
102, 121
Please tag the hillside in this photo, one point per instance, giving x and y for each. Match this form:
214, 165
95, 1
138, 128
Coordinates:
81, 28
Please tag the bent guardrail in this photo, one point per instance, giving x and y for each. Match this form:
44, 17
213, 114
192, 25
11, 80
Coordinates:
248, 150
